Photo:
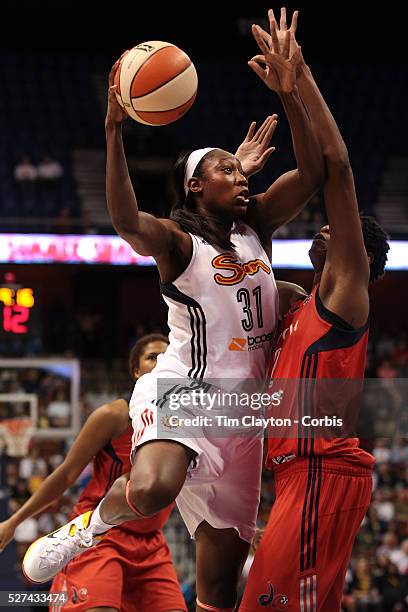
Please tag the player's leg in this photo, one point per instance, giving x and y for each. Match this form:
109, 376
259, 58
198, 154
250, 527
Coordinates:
273, 580
150, 579
302, 559
158, 473
220, 556
334, 553
221, 515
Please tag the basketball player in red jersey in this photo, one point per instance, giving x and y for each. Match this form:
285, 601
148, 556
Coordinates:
323, 486
131, 568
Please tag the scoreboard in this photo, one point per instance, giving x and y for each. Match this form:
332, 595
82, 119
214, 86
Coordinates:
18, 309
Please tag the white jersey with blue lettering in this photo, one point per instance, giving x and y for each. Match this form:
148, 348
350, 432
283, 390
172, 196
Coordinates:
222, 311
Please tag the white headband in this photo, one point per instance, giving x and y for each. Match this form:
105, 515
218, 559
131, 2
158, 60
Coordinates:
192, 162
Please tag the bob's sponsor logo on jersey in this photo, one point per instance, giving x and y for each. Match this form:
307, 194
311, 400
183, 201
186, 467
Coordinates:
249, 343
238, 270
255, 342
237, 344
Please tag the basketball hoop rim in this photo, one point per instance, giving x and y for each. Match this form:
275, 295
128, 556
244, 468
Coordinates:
17, 434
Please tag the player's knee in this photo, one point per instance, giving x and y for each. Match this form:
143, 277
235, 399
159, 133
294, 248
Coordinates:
151, 493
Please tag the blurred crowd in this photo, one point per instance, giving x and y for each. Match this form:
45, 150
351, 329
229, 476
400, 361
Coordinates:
51, 390
38, 185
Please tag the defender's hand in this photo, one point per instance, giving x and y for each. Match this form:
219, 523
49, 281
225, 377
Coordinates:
281, 54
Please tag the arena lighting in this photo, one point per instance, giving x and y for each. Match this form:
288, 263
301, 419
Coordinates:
112, 250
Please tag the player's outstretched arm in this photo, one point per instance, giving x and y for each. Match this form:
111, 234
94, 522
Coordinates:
103, 424
345, 277
340, 195
344, 281
146, 234
290, 192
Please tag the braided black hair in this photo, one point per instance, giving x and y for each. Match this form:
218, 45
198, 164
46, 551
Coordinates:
376, 244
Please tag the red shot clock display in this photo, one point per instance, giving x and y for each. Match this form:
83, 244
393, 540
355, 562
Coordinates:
17, 307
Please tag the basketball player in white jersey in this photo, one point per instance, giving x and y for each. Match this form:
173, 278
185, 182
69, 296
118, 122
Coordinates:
214, 259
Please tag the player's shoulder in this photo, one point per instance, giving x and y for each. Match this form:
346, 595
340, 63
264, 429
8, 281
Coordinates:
170, 224
173, 226
116, 413
290, 295
181, 242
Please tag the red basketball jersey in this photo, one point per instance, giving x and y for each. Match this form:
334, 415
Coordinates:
108, 464
321, 359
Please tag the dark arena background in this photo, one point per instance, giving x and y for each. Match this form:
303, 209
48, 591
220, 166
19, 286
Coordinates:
72, 298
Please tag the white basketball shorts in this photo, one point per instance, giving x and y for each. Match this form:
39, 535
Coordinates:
223, 482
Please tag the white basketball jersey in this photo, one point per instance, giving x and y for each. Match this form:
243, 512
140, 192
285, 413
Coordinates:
222, 311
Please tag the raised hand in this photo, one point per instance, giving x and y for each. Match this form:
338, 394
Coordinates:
254, 151
282, 28
276, 67
115, 113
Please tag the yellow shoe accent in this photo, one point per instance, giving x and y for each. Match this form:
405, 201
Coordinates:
72, 530
86, 518
50, 553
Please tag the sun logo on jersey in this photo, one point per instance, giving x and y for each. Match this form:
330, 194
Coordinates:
227, 261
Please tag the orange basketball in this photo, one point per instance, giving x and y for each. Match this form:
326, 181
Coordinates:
157, 83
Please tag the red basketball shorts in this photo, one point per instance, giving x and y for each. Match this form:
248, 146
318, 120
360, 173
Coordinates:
302, 559
132, 573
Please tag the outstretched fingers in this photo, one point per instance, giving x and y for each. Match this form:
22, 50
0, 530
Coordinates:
265, 132
250, 133
286, 44
267, 37
271, 17
266, 155
267, 136
274, 37
282, 23
262, 129
262, 44
293, 25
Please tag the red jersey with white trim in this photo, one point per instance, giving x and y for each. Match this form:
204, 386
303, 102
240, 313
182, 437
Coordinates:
109, 463
319, 360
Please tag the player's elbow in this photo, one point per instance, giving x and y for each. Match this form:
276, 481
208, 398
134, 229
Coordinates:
312, 180
337, 160
124, 227
130, 233
68, 474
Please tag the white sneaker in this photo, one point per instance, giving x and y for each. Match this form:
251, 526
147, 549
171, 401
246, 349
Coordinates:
49, 554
